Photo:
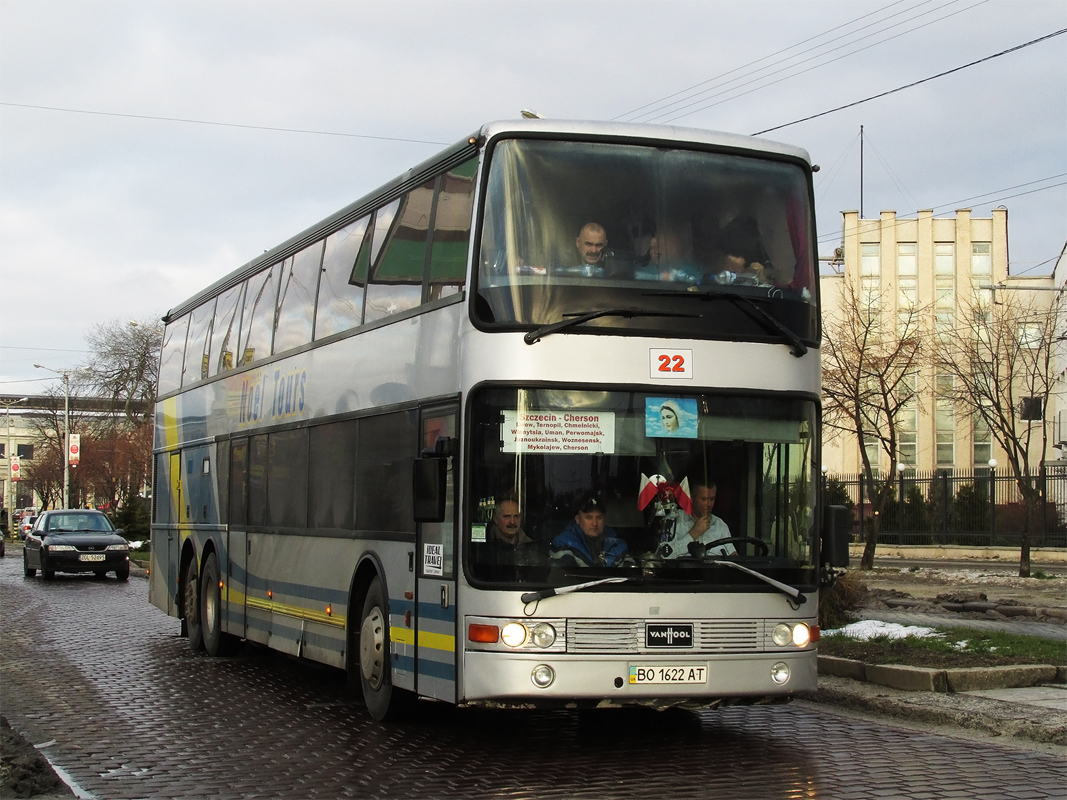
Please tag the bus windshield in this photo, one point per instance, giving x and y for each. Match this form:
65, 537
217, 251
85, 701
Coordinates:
571, 228
569, 485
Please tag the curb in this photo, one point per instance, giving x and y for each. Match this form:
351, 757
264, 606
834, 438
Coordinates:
954, 680
970, 712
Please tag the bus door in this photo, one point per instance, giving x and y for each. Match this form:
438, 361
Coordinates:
435, 594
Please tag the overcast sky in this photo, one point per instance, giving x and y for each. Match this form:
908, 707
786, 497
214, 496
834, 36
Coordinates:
110, 215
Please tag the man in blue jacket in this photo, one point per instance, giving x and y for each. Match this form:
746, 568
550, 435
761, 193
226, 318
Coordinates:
587, 541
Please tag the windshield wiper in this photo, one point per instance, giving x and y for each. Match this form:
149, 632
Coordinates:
784, 588
541, 594
534, 336
753, 310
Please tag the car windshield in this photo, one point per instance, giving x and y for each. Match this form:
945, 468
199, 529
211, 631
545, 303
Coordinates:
78, 522
571, 228
678, 482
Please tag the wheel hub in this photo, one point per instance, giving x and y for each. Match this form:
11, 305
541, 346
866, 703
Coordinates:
372, 647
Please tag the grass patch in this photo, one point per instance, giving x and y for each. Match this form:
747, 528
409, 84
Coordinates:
958, 647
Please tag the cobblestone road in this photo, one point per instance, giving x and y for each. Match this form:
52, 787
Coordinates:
131, 712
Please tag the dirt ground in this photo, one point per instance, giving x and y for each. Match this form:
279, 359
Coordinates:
1000, 585
23, 771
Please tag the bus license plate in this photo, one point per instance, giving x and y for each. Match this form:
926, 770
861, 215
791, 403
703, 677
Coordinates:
91, 557
679, 674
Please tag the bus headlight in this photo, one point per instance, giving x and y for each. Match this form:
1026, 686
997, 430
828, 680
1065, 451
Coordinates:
801, 635
780, 673
513, 634
781, 635
542, 676
543, 635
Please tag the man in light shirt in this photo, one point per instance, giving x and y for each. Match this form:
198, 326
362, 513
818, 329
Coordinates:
702, 526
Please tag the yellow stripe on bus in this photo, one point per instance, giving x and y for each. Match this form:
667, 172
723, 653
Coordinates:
432, 641
298, 612
402, 635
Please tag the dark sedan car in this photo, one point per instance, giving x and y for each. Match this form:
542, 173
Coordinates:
75, 540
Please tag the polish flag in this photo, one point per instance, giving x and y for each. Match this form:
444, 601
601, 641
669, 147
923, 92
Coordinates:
649, 489
681, 494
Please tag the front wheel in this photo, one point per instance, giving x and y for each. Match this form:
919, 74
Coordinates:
375, 675
46, 573
122, 574
216, 642
27, 570
191, 597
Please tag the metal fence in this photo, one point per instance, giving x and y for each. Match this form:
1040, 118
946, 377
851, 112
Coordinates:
981, 507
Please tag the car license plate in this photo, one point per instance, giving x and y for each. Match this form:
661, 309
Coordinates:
685, 673
91, 557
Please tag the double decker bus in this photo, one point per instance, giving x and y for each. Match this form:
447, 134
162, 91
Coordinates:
563, 321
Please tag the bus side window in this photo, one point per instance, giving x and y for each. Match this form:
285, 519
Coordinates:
451, 231
340, 306
396, 281
296, 303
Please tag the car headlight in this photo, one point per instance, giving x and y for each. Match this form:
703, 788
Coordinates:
513, 634
543, 635
118, 547
59, 548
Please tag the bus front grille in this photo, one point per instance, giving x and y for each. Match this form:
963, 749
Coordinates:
628, 636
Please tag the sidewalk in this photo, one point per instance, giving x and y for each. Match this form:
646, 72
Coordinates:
1028, 702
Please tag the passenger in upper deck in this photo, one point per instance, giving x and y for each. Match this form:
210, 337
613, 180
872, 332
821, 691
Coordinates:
587, 541
745, 259
590, 242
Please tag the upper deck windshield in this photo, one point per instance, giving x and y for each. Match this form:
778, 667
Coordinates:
677, 481
571, 228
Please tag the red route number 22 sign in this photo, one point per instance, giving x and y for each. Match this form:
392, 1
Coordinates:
666, 363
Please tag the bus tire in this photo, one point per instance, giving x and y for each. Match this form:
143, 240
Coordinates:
216, 641
191, 598
384, 702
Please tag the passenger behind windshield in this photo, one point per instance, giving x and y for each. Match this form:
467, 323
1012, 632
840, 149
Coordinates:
507, 544
745, 259
588, 541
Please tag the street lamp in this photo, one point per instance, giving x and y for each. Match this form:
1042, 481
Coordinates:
900, 508
8, 493
66, 431
992, 500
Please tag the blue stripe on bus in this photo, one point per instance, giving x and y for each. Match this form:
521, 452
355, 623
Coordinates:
435, 669
434, 611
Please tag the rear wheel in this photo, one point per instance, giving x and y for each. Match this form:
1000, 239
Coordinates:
384, 702
191, 597
216, 641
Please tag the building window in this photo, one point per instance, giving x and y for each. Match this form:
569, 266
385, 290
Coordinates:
908, 421
944, 287
907, 286
944, 421
982, 271
870, 284
982, 440
24, 451
874, 450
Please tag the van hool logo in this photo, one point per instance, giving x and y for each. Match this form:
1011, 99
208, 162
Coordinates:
669, 635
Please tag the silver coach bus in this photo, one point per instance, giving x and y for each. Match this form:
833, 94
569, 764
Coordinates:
571, 322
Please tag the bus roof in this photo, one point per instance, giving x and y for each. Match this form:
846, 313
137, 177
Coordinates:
467, 148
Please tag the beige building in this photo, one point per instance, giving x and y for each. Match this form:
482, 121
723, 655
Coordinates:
930, 263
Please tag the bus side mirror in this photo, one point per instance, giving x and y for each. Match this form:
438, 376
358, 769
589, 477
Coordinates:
430, 482
836, 531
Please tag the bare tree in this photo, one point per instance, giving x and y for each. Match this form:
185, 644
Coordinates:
1001, 359
871, 366
124, 364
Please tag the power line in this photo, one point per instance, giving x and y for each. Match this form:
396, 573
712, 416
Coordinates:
222, 124
914, 83
764, 58
823, 63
